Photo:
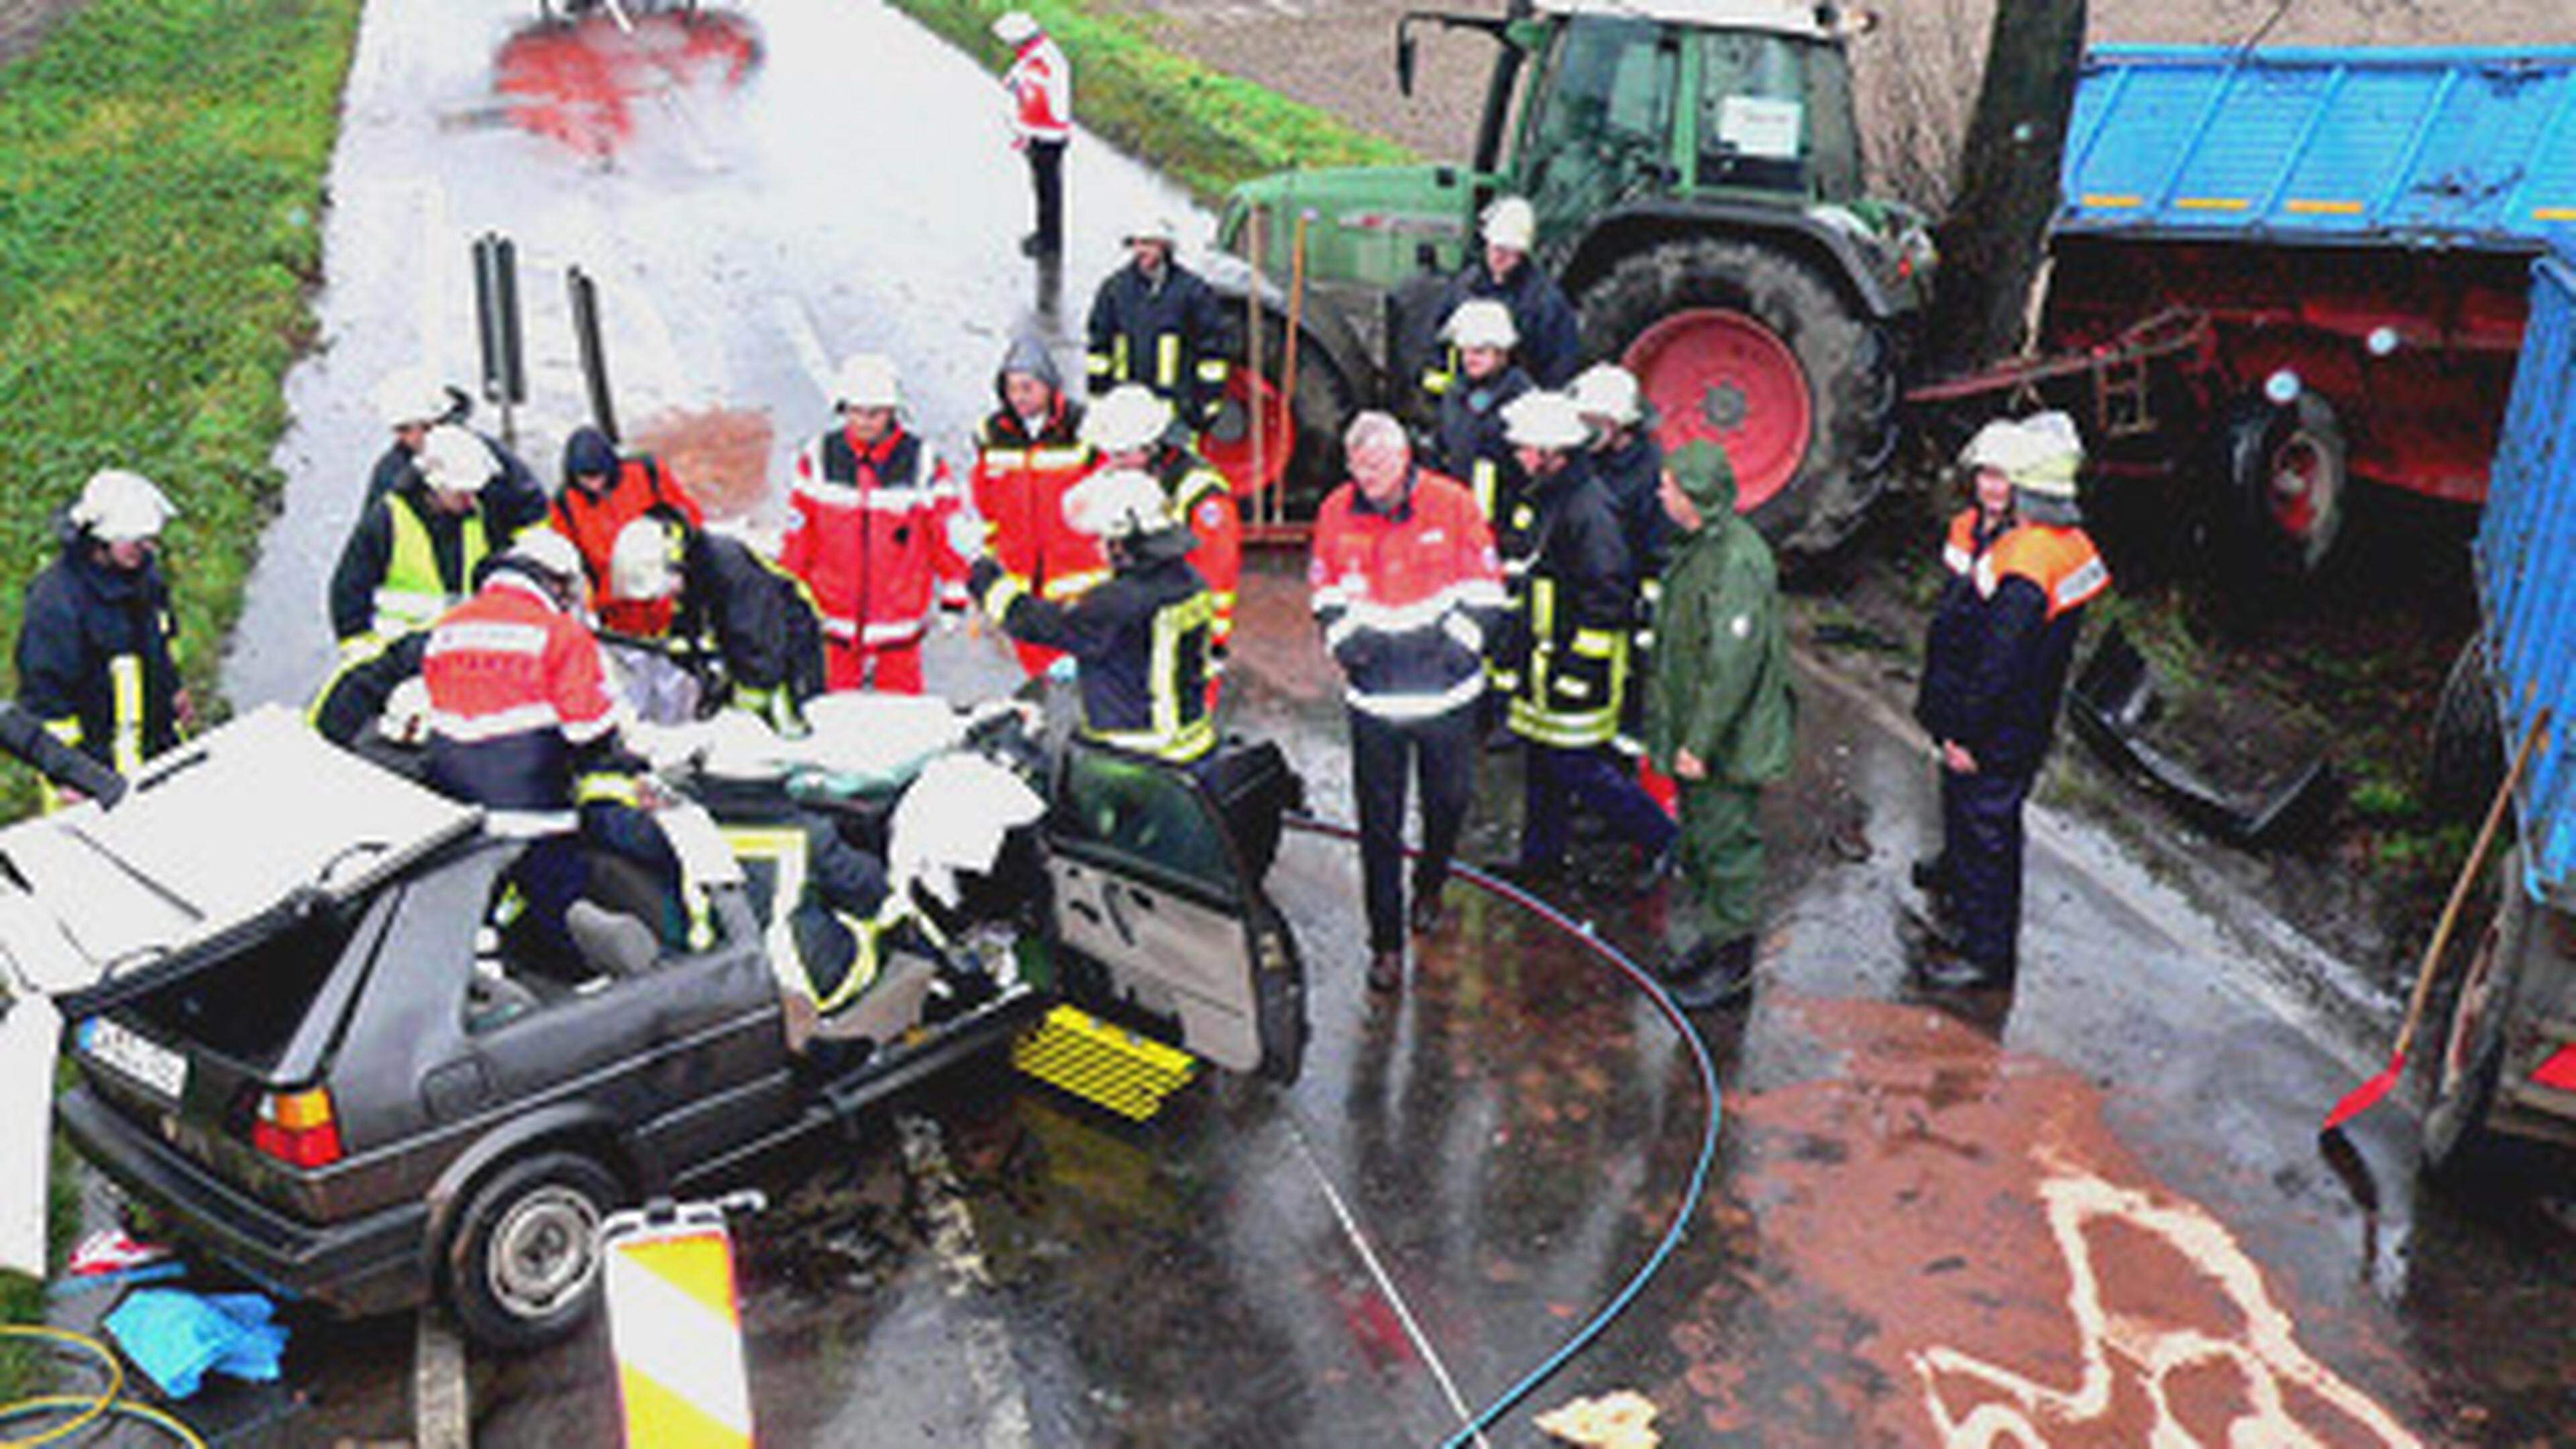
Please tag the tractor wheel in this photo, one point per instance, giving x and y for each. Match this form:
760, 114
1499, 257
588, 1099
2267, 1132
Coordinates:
2459, 1143
2467, 759
1746, 346
1301, 444
2288, 476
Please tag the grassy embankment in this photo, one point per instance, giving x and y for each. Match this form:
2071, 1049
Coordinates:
1205, 129
161, 165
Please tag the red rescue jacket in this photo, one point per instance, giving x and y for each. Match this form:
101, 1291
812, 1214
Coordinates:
516, 687
1019, 484
1407, 596
1041, 86
868, 533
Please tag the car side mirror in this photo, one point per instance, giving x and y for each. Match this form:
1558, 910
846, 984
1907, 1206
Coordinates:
1404, 62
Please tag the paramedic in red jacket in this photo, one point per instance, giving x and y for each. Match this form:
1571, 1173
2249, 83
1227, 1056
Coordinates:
1406, 587
1041, 87
871, 507
1028, 455
602, 493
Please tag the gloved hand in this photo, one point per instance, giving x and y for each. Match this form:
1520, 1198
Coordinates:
981, 575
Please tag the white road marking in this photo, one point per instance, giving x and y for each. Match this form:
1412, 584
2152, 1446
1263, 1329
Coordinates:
1385, 1285
991, 1371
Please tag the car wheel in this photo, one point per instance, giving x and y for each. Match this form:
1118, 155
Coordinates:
523, 1266
2458, 1143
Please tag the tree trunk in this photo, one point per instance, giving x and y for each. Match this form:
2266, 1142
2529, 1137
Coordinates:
1998, 222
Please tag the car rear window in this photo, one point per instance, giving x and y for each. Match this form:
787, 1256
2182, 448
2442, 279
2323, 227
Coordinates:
248, 1006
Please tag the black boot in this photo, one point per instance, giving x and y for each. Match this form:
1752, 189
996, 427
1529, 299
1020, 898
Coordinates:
1942, 966
1710, 976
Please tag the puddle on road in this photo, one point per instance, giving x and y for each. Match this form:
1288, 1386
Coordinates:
1946, 1235
582, 83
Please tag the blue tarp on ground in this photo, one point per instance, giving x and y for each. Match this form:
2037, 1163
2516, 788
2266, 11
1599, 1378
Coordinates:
2463, 147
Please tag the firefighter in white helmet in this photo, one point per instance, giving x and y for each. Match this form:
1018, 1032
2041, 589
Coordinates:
1154, 322
413, 552
1551, 339
410, 402
1142, 639
740, 622
96, 657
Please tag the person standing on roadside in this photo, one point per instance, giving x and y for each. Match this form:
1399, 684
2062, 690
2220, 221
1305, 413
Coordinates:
1029, 453
1993, 709
1041, 85
1406, 589
414, 551
1567, 652
1951, 633
97, 658
1469, 441
1155, 323
1721, 721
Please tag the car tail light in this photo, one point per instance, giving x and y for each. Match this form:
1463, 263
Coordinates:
297, 1128
2559, 1071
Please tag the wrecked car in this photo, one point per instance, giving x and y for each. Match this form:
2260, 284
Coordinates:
302, 1038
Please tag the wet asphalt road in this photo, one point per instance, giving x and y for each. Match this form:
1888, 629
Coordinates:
2092, 1213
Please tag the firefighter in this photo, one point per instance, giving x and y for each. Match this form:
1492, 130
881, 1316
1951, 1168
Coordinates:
521, 722
1040, 82
1472, 448
1568, 649
1406, 589
1973, 531
869, 534
1630, 464
731, 608
413, 401
1156, 324
1142, 640
1721, 721
1991, 702
1028, 454
1132, 428
603, 492
414, 551
1551, 340
97, 646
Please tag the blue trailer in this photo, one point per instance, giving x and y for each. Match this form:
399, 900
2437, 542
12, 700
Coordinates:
2277, 273
2507, 1066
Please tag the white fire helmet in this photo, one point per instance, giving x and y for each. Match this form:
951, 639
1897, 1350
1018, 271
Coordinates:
1545, 420
1510, 222
1015, 27
116, 506
1607, 390
413, 397
548, 553
1153, 226
1117, 503
1483, 322
645, 561
1129, 418
867, 380
453, 460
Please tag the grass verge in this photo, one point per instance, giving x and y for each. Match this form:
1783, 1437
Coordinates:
161, 167
1207, 129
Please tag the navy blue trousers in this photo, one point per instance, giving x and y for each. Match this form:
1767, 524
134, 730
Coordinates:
1605, 781
1981, 843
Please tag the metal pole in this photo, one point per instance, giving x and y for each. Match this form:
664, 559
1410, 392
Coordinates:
594, 358
1252, 353
1278, 509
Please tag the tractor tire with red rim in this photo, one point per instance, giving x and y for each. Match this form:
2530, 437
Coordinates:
2289, 476
1749, 347
1301, 444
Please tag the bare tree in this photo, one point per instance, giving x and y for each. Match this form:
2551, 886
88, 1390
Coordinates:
2008, 188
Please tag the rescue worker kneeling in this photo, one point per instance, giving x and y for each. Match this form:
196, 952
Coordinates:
521, 722
1142, 639
738, 621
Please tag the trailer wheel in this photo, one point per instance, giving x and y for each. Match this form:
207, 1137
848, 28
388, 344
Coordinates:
1744, 345
2459, 1145
2466, 761
2287, 469
523, 1266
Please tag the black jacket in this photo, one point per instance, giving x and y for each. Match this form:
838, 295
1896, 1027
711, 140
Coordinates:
759, 617
514, 498
1950, 645
370, 550
1129, 319
1470, 445
1633, 476
1551, 344
1567, 640
81, 616
1110, 631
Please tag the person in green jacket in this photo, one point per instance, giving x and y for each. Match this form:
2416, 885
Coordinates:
1720, 720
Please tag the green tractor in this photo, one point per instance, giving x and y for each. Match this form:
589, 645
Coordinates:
1696, 170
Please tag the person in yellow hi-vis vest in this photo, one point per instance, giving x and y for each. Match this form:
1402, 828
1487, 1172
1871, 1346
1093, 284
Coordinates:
97, 650
414, 551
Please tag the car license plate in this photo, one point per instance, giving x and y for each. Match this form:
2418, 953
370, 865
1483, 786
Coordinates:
148, 1062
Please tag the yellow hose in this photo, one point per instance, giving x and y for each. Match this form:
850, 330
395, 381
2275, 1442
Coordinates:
84, 1409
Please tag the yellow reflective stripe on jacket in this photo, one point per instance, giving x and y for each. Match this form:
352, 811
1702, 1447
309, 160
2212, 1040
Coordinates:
411, 595
1483, 477
1212, 370
1167, 360
605, 787
1167, 737
125, 685
1596, 643
1562, 728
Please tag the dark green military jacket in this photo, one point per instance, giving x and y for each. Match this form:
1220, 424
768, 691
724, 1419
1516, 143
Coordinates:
1721, 676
